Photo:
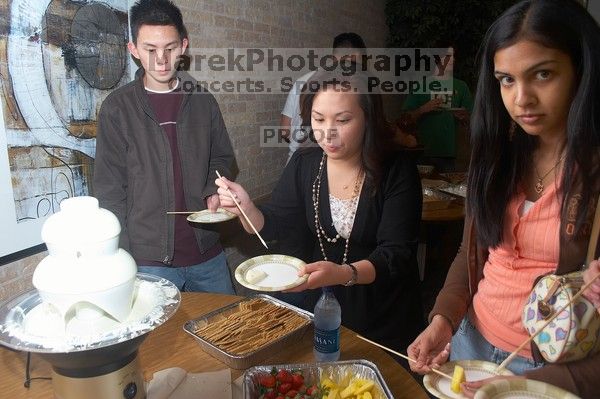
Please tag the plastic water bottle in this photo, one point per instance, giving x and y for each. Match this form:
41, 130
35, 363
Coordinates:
327, 320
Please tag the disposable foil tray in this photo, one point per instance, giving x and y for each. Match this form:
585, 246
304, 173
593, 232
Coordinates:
241, 362
313, 372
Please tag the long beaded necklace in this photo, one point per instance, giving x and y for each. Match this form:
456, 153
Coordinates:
316, 188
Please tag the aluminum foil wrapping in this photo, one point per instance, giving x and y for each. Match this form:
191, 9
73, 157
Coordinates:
312, 372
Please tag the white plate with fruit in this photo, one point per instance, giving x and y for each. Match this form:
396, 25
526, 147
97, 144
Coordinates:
474, 370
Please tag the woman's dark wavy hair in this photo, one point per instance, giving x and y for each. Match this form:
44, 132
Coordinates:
378, 142
497, 162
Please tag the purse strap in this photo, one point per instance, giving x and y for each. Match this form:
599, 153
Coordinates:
591, 252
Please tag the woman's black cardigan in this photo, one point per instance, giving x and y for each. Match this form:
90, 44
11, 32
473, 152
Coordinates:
385, 232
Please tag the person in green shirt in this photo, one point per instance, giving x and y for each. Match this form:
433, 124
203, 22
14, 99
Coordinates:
437, 116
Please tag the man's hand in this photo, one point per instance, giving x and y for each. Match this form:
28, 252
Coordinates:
212, 202
431, 105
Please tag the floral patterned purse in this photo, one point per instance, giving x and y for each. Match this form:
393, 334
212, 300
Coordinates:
572, 334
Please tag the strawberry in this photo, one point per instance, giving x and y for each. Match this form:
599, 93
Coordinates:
284, 376
270, 394
284, 388
297, 381
266, 380
311, 390
291, 393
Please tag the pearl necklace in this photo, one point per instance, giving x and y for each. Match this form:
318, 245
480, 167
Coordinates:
316, 188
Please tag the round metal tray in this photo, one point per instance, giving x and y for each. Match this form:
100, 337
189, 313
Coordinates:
13, 312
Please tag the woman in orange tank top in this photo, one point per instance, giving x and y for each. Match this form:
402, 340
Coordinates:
533, 181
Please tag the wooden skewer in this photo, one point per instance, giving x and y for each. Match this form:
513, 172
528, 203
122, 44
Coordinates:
590, 256
410, 359
243, 213
591, 252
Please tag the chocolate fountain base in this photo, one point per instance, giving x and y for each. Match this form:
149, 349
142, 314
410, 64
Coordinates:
126, 382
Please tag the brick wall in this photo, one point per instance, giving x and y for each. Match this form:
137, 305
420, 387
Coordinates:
276, 24
240, 24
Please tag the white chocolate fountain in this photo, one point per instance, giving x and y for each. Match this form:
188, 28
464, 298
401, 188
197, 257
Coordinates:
90, 311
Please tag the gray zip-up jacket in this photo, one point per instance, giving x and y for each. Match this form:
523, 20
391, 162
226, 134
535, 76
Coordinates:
133, 170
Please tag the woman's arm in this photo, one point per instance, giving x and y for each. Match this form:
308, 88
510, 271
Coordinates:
432, 348
398, 227
455, 296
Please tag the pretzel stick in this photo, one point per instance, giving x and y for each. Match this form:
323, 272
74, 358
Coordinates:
250, 326
528, 340
242, 211
410, 359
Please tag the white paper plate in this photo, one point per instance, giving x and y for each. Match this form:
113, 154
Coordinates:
206, 216
522, 389
474, 370
459, 190
281, 273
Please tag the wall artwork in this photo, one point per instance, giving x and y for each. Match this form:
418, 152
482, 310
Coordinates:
58, 61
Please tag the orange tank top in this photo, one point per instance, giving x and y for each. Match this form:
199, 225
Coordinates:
530, 248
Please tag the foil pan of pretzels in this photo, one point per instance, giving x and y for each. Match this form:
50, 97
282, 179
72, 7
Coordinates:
244, 333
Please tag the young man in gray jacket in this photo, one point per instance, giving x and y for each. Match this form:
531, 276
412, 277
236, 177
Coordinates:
160, 141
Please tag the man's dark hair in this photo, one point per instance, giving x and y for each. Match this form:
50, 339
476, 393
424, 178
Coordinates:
349, 40
155, 12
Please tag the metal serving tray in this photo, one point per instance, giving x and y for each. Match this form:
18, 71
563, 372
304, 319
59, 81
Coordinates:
241, 362
313, 371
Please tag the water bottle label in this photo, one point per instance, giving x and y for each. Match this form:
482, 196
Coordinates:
327, 341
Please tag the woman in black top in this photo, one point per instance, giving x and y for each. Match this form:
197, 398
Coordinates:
355, 186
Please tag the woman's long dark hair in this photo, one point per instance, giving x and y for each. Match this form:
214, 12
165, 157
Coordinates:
378, 142
500, 158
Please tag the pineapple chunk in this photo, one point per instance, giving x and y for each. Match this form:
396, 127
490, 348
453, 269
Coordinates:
333, 394
367, 395
328, 383
350, 390
457, 378
366, 386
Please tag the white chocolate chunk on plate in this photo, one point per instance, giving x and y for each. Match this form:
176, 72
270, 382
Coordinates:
255, 276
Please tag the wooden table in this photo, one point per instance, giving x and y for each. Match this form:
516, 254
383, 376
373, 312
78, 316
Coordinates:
169, 346
454, 212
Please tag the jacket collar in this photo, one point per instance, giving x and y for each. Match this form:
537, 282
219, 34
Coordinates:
188, 84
